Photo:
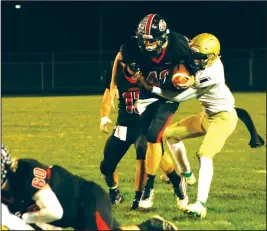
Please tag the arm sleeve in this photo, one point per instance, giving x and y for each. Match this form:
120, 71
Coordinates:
50, 208
173, 96
184, 96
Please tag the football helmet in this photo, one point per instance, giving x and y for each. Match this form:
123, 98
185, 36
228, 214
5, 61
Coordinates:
152, 34
6, 161
205, 49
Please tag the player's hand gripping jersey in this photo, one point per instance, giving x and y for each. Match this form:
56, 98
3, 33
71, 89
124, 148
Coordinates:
157, 70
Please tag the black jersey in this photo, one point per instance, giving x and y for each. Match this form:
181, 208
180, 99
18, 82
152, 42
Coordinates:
129, 93
128, 115
31, 176
157, 71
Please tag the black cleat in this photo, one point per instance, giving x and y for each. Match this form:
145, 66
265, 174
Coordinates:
115, 197
159, 223
256, 143
135, 204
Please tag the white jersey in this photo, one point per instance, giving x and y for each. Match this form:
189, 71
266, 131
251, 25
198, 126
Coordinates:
209, 88
218, 98
11, 221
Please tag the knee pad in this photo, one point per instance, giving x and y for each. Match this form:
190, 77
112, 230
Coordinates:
107, 168
141, 147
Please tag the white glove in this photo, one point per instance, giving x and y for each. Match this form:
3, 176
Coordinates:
103, 124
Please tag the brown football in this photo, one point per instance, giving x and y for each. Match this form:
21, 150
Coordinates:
179, 75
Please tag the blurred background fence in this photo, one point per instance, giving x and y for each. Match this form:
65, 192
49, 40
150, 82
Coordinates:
72, 73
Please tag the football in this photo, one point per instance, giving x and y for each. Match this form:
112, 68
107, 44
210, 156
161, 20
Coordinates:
180, 75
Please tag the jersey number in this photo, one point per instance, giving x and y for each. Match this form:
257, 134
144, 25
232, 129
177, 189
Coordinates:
39, 178
130, 98
154, 79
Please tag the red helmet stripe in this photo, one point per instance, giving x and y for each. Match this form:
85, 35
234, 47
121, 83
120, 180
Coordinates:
149, 23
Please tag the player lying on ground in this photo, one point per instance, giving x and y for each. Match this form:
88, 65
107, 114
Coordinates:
52, 195
156, 50
216, 123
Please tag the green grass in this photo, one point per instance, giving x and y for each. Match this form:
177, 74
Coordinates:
65, 130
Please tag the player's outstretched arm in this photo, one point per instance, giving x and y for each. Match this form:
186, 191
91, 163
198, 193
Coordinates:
115, 71
105, 111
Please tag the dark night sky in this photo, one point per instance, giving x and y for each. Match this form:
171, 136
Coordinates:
74, 26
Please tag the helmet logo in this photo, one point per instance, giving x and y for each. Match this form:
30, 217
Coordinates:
162, 25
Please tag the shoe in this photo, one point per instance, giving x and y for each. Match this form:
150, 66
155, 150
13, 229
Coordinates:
115, 196
196, 210
190, 180
135, 204
180, 193
147, 199
159, 223
182, 203
256, 143
165, 179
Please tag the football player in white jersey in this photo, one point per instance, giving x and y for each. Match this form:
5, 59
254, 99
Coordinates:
11, 221
216, 122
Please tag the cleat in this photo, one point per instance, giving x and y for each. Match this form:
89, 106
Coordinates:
115, 197
196, 210
190, 180
135, 204
147, 199
182, 204
256, 143
181, 196
159, 223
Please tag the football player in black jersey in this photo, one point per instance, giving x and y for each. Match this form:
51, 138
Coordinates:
38, 193
158, 52
126, 132
118, 143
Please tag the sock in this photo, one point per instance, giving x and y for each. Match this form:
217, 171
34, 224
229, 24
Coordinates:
179, 155
150, 181
138, 195
205, 178
174, 178
187, 174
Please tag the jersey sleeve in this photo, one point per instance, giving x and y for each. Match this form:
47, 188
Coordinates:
33, 174
210, 76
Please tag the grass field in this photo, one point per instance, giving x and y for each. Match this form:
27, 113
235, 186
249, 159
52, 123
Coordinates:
65, 130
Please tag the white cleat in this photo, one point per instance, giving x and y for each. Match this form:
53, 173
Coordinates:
196, 210
146, 201
191, 179
182, 204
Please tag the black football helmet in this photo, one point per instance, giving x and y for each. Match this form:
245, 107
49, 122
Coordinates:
152, 34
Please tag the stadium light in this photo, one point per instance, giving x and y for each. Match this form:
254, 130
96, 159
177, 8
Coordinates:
17, 6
